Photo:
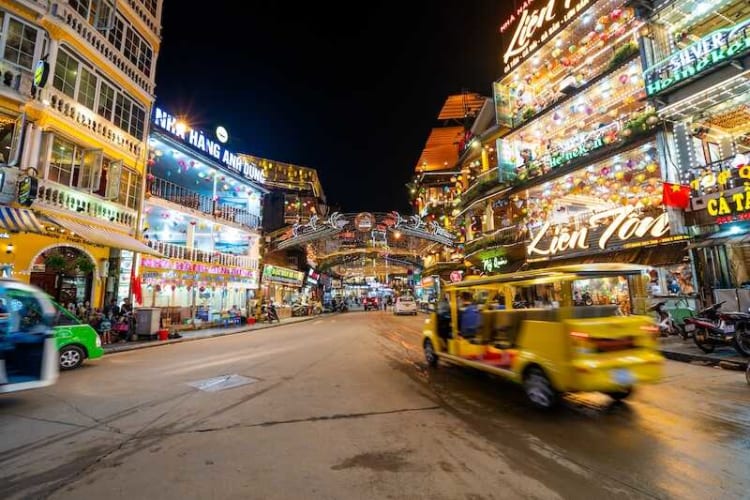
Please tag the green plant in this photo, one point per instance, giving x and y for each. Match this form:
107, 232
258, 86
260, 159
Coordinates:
54, 262
641, 123
84, 265
622, 54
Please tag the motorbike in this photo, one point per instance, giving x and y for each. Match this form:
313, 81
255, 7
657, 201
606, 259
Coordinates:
268, 313
299, 309
712, 328
665, 321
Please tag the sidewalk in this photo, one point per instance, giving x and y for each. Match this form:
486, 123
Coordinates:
202, 334
685, 350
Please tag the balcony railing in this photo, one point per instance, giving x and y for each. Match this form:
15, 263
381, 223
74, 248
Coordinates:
174, 251
67, 15
146, 16
56, 195
190, 199
94, 123
503, 236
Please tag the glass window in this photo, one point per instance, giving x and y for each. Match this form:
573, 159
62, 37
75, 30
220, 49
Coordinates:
87, 89
106, 100
150, 6
101, 14
137, 51
115, 33
20, 44
137, 119
66, 73
144, 58
122, 111
63, 162
81, 6
130, 188
25, 310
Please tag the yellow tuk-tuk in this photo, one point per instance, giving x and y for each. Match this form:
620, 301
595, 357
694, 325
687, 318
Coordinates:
563, 329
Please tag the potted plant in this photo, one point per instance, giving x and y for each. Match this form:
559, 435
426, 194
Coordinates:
54, 262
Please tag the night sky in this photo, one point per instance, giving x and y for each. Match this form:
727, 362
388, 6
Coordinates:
355, 100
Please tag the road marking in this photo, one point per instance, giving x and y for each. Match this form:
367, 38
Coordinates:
222, 383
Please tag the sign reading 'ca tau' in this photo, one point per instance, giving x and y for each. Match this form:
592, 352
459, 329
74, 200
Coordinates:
608, 230
206, 144
712, 50
532, 24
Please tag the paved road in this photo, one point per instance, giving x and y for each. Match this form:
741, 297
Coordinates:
342, 407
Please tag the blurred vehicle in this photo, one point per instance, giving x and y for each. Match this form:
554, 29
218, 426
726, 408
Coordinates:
405, 305
76, 341
370, 303
557, 349
28, 354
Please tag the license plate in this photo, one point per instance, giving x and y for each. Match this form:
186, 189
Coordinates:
729, 329
622, 377
689, 328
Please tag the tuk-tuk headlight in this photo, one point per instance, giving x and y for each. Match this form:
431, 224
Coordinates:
98, 341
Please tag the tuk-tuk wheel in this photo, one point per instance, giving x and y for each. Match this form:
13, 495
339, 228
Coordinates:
429, 354
539, 389
620, 395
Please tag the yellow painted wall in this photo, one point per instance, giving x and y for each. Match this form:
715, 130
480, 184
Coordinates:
27, 246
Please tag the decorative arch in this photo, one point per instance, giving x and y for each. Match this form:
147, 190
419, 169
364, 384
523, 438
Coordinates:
78, 247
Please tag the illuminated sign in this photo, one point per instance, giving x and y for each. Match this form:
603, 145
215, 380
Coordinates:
222, 135
609, 230
364, 221
282, 275
533, 24
203, 143
28, 189
195, 267
710, 51
493, 264
41, 73
730, 208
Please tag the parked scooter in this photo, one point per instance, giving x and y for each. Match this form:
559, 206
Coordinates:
665, 321
268, 312
713, 328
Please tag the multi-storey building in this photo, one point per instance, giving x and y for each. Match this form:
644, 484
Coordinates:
697, 55
202, 213
580, 156
76, 92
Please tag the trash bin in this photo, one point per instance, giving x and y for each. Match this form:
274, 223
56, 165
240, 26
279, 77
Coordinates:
163, 334
147, 321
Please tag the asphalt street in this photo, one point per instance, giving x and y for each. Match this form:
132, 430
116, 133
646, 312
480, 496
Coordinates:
343, 407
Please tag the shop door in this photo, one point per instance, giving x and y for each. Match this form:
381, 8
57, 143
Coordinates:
47, 282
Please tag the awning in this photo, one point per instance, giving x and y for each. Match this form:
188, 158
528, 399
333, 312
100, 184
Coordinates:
19, 220
104, 236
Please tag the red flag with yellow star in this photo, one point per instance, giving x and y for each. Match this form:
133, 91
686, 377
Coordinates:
676, 196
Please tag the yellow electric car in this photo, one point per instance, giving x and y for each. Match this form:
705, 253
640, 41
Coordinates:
562, 329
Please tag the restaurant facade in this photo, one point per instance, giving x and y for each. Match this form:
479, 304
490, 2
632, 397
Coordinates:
582, 163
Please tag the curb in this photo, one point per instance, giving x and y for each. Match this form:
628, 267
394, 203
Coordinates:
708, 360
157, 343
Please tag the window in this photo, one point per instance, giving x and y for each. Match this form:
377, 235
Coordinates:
137, 51
115, 33
20, 44
66, 73
97, 12
130, 188
150, 5
106, 100
87, 89
74, 79
64, 159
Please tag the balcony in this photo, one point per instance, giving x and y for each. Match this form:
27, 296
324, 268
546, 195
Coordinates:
93, 123
57, 196
173, 251
184, 197
144, 15
501, 237
64, 13
15, 83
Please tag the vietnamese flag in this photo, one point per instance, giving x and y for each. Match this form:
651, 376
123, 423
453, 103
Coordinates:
676, 196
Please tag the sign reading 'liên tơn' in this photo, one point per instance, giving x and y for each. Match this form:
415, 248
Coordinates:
714, 49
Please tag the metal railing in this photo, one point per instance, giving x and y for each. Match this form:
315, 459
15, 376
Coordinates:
56, 195
174, 251
182, 196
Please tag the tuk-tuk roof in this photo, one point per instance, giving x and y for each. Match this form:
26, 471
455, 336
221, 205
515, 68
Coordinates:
555, 273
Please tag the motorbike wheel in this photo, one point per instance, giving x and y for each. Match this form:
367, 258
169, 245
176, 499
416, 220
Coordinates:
701, 340
742, 341
683, 333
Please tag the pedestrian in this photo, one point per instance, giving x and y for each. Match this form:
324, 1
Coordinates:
127, 307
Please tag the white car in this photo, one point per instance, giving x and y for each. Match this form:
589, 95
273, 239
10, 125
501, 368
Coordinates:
405, 305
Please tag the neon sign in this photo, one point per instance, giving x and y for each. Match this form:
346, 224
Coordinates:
606, 230
206, 145
728, 208
531, 26
493, 264
712, 50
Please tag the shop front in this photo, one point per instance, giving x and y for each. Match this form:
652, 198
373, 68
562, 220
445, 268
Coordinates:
283, 286
697, 79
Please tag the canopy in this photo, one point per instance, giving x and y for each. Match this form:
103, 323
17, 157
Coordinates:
104, 236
